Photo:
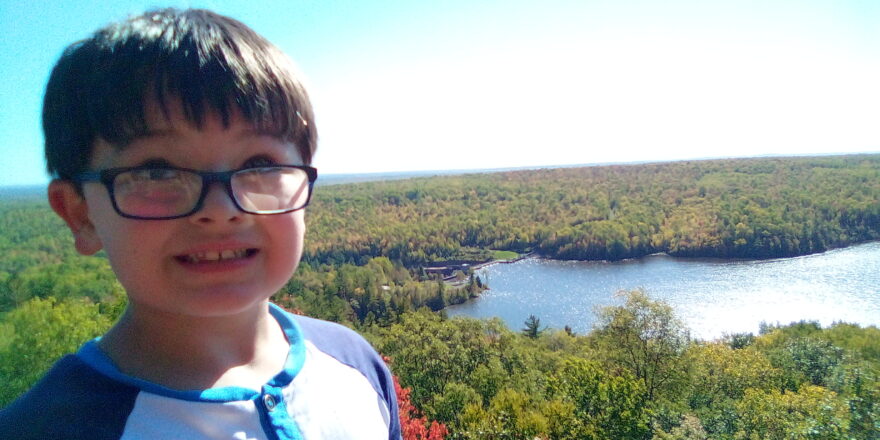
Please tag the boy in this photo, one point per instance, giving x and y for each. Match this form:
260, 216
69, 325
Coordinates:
180, 143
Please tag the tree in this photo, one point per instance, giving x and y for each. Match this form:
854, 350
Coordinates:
39, 332
720, 376
646, 337
720, 372
448, 406
413, 425
814, 359
512, 415
803, 354
811, 413
429, 352
863, 398
532, 327
609, 406
689, 428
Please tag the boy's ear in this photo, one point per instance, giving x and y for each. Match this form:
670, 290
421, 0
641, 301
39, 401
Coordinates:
71, 206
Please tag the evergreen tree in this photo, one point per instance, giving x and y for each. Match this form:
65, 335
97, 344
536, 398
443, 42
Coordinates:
532, 327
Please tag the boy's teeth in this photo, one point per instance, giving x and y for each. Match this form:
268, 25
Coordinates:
227, 254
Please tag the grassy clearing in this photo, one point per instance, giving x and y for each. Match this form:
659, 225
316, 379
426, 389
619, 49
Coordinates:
504, 255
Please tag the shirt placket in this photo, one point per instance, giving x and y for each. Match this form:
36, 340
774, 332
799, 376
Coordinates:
277, 420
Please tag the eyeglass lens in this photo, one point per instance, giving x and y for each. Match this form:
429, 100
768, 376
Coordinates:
156, 193
268, 190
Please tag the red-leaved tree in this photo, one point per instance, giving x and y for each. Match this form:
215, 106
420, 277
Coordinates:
413, 424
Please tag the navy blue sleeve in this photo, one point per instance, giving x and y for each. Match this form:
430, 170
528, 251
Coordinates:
72, 401
353, 350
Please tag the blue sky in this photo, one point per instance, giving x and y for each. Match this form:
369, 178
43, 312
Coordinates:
417, 85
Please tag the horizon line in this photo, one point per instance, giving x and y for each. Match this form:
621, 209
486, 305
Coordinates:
403, 174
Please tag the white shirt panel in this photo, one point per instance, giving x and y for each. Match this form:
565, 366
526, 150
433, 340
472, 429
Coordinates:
157, 417
330, 400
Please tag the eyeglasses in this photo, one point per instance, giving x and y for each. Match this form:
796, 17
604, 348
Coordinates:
161, 192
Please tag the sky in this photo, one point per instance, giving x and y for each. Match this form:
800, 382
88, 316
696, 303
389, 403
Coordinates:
412, 85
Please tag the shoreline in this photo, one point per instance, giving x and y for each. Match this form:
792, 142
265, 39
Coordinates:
534, 254
836, 285
451, 281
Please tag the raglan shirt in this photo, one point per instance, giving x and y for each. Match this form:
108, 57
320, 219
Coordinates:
333, 386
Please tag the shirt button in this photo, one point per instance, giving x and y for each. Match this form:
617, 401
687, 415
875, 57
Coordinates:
269, 401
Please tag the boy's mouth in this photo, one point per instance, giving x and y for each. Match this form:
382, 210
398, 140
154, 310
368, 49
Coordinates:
216, 256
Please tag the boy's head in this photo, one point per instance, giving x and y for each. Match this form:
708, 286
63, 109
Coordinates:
198, 59
180, 142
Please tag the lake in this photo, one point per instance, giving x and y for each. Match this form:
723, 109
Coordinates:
712, 297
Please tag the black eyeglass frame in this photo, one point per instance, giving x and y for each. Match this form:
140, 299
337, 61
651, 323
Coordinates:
107, 176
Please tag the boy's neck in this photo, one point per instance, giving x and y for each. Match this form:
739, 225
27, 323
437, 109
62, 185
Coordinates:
186, 353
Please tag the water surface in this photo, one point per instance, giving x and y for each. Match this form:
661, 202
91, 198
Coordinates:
713, 297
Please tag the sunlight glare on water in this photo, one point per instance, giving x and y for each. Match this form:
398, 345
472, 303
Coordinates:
713, 297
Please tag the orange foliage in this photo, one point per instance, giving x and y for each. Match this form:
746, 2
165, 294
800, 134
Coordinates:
413, 425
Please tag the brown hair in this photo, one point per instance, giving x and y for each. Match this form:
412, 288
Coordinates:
208, 61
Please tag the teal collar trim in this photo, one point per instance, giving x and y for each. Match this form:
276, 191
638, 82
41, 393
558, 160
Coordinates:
296, 357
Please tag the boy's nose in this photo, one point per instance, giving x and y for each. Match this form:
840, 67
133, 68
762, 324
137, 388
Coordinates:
217, 207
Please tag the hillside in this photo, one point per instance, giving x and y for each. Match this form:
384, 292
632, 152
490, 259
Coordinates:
737, 208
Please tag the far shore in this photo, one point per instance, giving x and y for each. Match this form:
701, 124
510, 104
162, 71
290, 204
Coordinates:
452, 281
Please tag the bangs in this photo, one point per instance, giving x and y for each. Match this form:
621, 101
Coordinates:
207, 66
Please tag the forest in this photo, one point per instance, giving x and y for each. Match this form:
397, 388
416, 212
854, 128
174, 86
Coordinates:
736, 208
637, 375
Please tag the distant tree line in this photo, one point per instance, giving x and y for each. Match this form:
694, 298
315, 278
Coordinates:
736, 208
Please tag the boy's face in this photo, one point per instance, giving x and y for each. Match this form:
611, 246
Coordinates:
171, 266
